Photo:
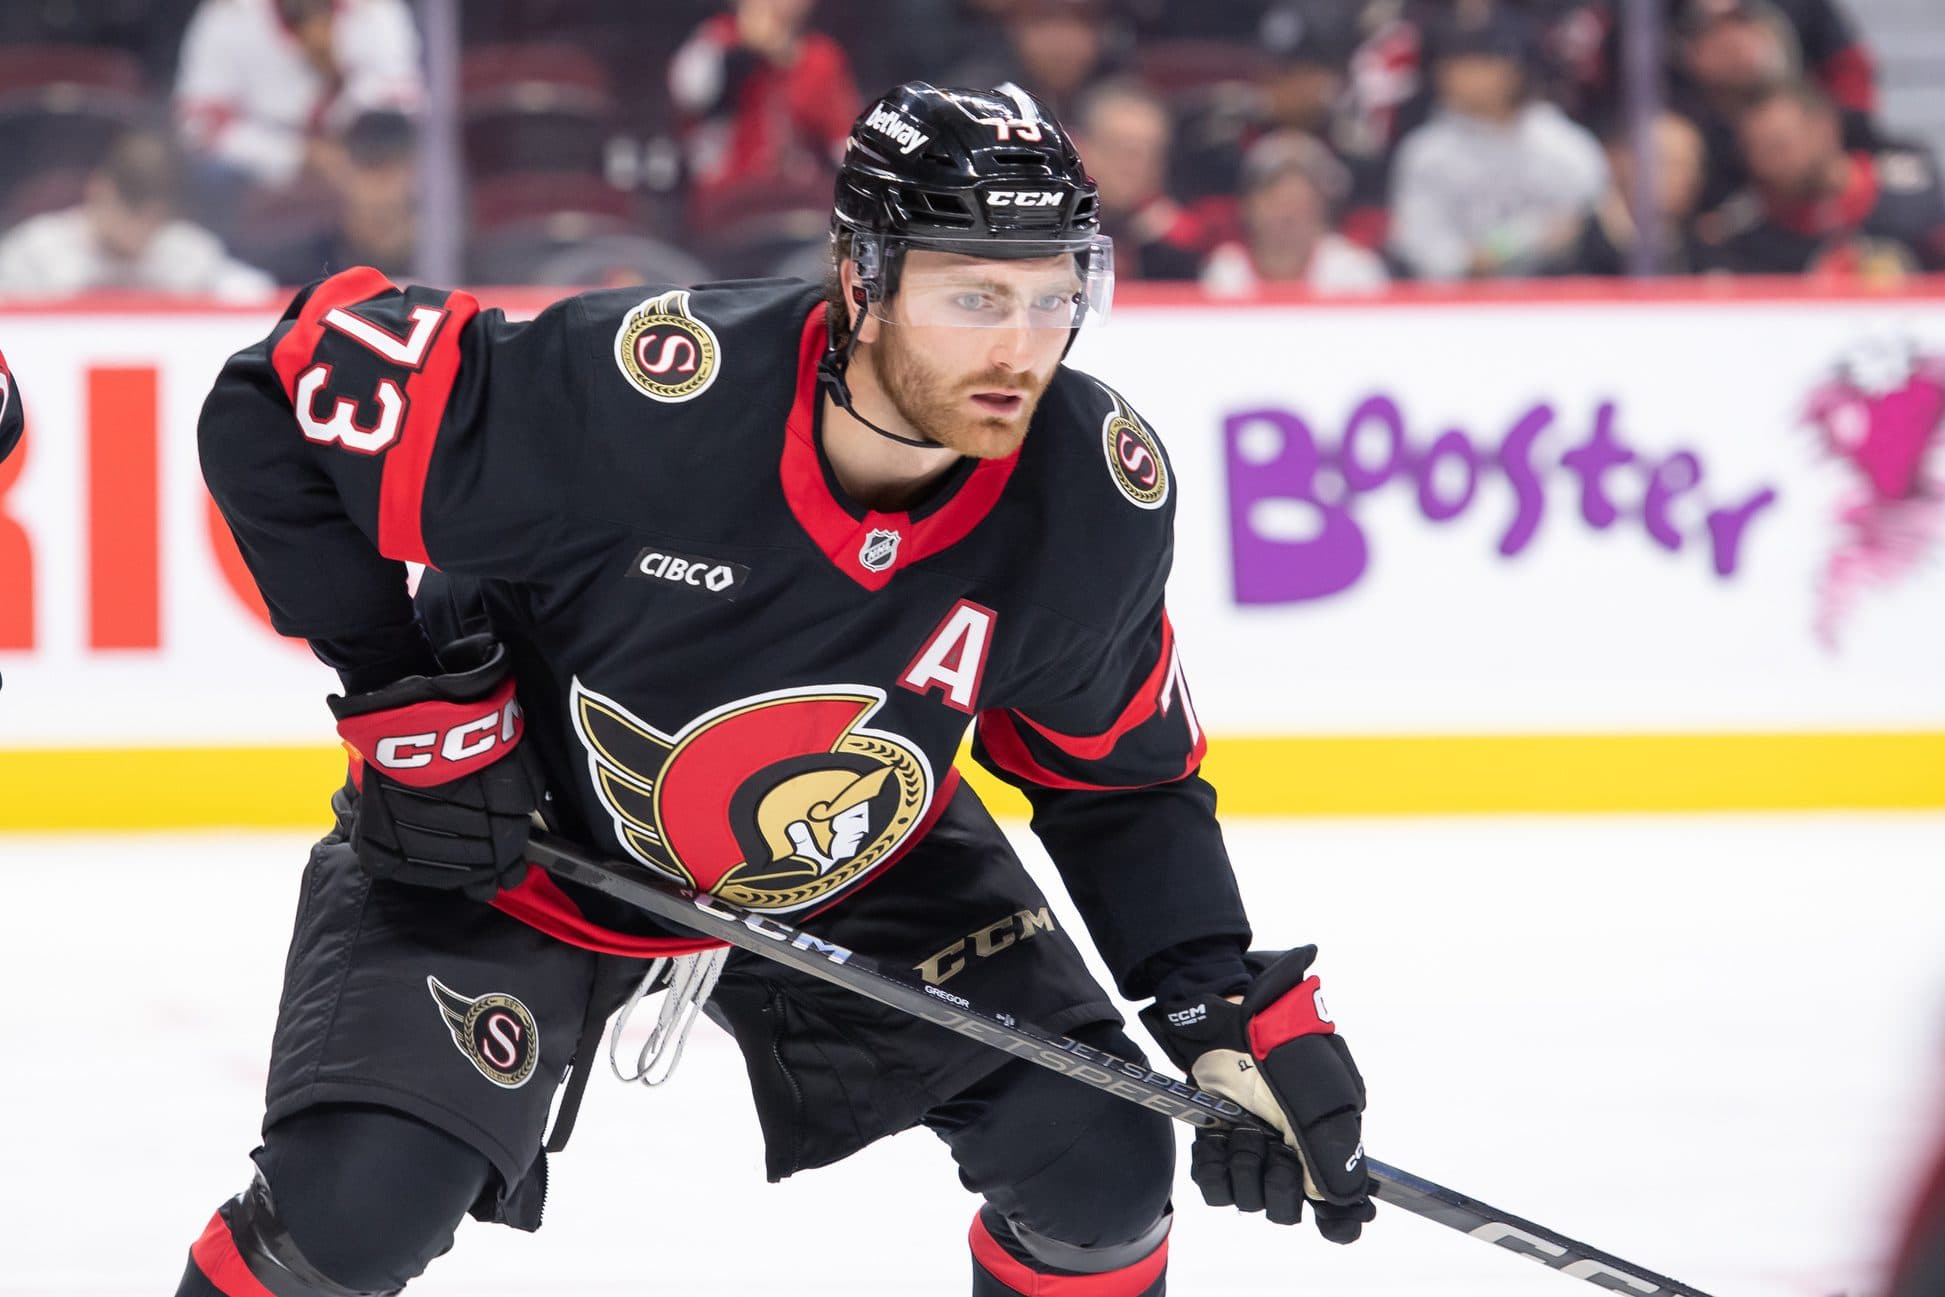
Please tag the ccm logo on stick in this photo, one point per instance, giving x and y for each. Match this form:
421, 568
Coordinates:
462, 742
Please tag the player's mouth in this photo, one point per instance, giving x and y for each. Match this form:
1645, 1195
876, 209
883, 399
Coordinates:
1002, 403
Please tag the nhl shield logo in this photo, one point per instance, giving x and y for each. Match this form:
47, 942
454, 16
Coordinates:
665, 352
880, 550
496, 1033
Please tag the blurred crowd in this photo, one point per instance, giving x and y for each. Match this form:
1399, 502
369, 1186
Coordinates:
226, 146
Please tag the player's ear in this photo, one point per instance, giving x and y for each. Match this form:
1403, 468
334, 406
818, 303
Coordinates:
863, 323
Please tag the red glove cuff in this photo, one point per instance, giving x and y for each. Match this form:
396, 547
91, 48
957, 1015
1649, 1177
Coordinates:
1299, 1011
425, 744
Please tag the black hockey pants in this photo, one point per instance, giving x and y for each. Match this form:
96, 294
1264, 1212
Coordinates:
366, 1197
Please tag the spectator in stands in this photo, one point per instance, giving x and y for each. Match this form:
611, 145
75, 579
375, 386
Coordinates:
1579, 56
766, 104
1302, 82
372, 173
1330, 82
125, 235
1609, 234
264, 83
1812, 205
1730, 52
1291, 183
1124, 133
1496, 183
1055, 48
1819, 39
1305, 83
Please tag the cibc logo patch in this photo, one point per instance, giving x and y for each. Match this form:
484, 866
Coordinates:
708, 575
665, 351
496, 1032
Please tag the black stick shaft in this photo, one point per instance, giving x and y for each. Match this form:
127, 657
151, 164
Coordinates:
901, 989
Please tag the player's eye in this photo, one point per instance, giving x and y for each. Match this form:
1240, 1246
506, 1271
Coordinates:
972, 301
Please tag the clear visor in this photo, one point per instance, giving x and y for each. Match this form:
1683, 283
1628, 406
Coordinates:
960, 283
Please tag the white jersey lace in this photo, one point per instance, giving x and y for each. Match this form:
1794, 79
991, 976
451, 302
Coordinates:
690, 981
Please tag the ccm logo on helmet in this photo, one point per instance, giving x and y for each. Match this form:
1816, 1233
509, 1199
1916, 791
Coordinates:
462, 742
1024, 198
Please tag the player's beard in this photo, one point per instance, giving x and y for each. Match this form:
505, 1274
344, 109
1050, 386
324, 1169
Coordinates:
936, 403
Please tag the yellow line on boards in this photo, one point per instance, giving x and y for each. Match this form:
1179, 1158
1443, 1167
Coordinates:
288, 787
1473, 774
168, 788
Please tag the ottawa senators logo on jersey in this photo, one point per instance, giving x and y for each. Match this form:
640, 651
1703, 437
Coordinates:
667, 353
496, 1032
773, 802
1134, 457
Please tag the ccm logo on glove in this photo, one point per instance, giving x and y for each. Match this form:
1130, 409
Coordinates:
436, 742
1278, 1054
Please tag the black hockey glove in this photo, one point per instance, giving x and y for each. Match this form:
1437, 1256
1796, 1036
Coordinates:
1279, 1055
444, 790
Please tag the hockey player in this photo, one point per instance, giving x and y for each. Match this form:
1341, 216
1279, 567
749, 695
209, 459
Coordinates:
722, 577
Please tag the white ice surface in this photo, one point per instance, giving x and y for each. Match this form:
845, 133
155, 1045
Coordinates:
1712, 1045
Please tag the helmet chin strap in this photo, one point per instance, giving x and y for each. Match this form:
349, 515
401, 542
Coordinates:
831, 377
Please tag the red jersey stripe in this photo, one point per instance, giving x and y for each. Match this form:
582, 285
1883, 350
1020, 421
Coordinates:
347, 288
1010, 753
401, 491
1141, 707
830, 525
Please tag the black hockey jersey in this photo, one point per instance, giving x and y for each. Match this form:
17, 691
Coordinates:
732, 673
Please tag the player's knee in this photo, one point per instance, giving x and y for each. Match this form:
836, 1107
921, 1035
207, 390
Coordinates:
367, 1196
1113, 1183
1117, 1188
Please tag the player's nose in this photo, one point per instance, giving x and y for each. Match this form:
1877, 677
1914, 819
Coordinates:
1011, 345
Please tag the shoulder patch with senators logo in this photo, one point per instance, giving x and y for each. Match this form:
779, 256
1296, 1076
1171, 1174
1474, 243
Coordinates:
665, 352
1134, 455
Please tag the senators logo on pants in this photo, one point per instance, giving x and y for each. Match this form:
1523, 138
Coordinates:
774, 802
496, 1032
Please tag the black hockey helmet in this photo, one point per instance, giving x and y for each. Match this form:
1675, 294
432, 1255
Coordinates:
978, 173
924, 163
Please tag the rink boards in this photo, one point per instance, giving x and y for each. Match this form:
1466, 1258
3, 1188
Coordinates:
1435, 553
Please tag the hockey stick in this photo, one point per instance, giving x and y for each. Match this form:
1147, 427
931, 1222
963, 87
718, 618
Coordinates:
779, 942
